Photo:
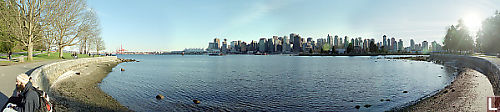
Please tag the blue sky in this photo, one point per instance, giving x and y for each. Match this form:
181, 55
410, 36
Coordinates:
168, 25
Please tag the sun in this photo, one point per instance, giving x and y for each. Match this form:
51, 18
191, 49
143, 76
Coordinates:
472, 21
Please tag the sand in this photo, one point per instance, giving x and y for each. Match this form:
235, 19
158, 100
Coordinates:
81, 92
467, 92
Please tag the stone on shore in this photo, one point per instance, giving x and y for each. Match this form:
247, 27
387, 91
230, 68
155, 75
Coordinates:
357, 106
196, 101
122, 69
405, 91
159, 96
367, 105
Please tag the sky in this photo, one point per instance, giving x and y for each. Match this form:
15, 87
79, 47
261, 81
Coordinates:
170, 25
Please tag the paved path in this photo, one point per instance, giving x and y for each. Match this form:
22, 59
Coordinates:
8, 76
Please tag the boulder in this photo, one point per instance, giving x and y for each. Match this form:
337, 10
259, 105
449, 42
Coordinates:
196, 101
405, 91
159, 96
367, 105
357, 106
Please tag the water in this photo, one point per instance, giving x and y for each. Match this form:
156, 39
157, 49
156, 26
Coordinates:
271, 83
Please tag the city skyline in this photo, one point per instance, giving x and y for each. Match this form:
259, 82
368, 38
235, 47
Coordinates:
175, 25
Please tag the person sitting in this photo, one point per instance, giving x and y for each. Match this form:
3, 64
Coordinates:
24, 99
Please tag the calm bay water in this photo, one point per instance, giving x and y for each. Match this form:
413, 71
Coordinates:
271, 83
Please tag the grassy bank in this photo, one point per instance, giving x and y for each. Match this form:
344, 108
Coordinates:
55, 55
41, 57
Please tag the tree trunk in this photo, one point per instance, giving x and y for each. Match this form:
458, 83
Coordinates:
61, 51
30, 52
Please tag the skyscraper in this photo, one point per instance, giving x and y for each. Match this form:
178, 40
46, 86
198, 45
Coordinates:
224, 46
262, 45
346, 42
385, 41
217, 43
336, 41
394, 44
400, 45
425, 46
412, 45
329, 40
296, 42
286, 44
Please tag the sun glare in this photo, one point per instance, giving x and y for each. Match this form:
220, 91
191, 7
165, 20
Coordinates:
472, 21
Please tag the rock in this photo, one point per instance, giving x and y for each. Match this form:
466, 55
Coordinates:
137, 61
367, 105
387, 99
77, 73
452, 90
439, 75
196, 101
159, 96
357, 106
405, 91
122, 69
381, 100
445, 91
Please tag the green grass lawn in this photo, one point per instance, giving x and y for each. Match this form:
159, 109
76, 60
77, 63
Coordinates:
55, 55
44, 57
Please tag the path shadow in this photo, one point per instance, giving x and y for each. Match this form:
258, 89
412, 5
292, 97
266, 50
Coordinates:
31, 70
3, 100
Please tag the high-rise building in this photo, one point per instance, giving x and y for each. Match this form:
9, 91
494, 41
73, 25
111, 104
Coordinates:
346, 42
400, 45
425, 46
385, 41
336, 41
394, 44
217, 43
262, 45
341, 43
412, 45
224, 46
329, 40
270, 45
388, 44
286, 44
296, 42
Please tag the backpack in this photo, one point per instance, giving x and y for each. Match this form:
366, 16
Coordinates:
45, 105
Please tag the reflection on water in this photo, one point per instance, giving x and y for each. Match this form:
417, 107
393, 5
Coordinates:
277, 83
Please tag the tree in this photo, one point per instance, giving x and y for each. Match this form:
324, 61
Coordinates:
326, 48
24, 18
91, 34
99, 44
458, 38
373, 47
350, 48
69, 22
489, 35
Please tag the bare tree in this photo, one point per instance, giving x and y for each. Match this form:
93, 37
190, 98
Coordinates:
99, 44
70, 22
92, 32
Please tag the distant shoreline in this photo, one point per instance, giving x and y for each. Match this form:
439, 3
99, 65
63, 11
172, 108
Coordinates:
302, 54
